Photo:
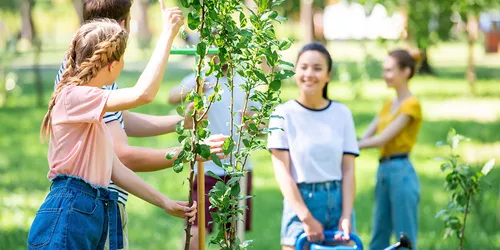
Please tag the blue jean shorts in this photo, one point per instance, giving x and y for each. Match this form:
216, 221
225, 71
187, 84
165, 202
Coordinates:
75, 215
324, 201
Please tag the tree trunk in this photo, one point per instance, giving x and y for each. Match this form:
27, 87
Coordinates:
78, 5
141, 16
425, 67
472, 30
38, 74
306, 20
27, 29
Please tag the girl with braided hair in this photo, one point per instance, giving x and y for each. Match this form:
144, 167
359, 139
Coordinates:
79, 212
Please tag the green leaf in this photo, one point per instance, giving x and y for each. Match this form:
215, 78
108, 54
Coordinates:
201, 49
281, 19
235, 190
275, 85
179, 127
284, 74
171, 154
193, 20
260, 75
285, 44
204, 151
178, 166
269, 15
233, 180
441, 213
228, 145
289, 64
204, 124
275, 3
246, 142
253, 127
246, 33
216, 160
198, 102
488, 166
180, 110
185, 3
213, 175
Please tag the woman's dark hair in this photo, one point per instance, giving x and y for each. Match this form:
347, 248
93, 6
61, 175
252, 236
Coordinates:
405, 60
314, 46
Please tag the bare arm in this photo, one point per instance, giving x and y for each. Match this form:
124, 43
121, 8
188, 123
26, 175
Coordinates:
142, 125
149, 82
138, 159
348, 185
128, 180
387, 134
288, 187
372, 128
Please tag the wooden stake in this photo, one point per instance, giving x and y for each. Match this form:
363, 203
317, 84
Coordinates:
201, 206
240, 226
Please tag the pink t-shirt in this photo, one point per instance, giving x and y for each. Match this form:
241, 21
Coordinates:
80, 143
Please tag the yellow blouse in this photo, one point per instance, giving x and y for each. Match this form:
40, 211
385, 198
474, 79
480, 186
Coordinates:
404, 141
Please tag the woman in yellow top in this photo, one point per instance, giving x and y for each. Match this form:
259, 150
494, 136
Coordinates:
394, 131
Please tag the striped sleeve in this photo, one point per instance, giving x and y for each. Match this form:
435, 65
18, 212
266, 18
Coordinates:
113, 116
59, 74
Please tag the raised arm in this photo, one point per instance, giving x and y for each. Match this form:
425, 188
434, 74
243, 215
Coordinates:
149, 82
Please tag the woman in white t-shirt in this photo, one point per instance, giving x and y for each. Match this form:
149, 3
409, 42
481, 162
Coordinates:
313, 155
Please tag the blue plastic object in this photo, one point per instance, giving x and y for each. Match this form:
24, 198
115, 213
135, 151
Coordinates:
302, 240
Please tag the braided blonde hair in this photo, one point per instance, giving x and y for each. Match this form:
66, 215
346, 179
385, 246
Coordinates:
95, 45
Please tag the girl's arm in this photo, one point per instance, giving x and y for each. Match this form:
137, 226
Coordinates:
372, 128
387, 134
132, 183
290, 191
149, 82
348, 194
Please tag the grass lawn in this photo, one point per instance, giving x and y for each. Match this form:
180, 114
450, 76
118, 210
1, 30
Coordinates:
23, 162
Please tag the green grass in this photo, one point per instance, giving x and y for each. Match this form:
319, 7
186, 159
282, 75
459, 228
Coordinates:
23, 162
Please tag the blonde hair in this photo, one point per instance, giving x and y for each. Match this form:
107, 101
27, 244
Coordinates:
95, 45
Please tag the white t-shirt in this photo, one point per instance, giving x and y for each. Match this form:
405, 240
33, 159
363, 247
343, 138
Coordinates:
316, 139
218, 116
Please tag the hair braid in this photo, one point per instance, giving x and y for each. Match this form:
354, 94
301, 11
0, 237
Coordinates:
95, 45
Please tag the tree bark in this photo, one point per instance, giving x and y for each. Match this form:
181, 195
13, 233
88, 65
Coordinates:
306, 20
425, 67
472, 30
27, 29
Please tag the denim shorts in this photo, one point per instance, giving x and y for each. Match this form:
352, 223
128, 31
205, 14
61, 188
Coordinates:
324, 201
74, 215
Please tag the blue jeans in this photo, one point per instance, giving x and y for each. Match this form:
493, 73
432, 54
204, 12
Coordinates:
75, 215
324, 201
397, 195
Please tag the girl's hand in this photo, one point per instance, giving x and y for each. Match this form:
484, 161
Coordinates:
180, 209
216, 143
344, 226
172, 18
314, 230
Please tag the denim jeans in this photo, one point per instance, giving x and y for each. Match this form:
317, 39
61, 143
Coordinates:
75, 215
324, 201
397, 195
